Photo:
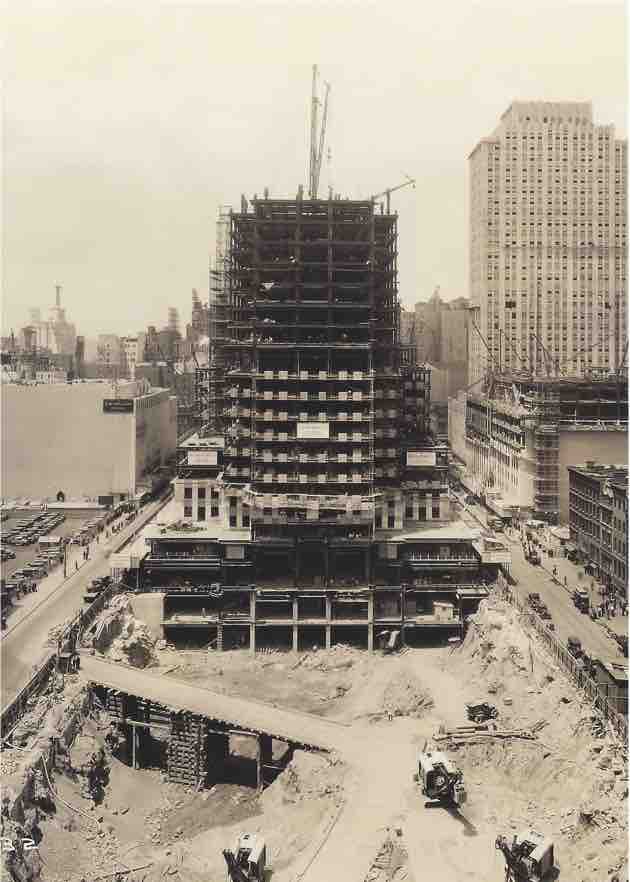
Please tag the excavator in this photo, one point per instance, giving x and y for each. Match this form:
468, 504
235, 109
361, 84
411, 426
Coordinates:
441, 781
528, 858
246, 860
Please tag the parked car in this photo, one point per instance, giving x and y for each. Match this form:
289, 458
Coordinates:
581, 600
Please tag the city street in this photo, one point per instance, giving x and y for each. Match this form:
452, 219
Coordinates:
564, 615
56, 601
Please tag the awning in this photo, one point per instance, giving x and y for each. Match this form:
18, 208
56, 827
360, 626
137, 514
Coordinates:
472, 592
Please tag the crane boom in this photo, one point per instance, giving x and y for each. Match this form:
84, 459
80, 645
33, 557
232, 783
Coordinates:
387, 193
313, 145
320, 151
316, 150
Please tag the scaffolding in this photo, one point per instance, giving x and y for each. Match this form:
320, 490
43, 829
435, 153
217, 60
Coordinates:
209, 378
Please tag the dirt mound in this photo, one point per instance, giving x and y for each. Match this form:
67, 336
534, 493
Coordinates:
496, 644
119, 635
406, 697
307, 777
398, 695
336, 658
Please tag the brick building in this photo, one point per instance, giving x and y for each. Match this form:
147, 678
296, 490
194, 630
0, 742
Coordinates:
598, 521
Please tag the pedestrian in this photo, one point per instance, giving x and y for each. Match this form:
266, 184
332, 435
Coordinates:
76, 565
565, 581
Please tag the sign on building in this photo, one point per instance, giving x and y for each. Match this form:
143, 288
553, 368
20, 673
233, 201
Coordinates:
313, 430
420, 457
202, 457
118, 405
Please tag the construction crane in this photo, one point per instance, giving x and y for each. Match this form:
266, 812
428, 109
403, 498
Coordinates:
410, 182
317, 141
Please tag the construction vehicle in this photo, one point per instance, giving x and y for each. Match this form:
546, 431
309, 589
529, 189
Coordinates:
480, 711
441, 781
528, 858
246, 861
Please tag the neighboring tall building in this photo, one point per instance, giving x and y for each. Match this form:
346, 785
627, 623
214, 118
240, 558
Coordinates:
320, 514
131, 354
108, 353
598, 520
548, 242
55, 334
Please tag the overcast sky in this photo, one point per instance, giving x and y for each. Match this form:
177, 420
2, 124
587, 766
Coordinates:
125, 126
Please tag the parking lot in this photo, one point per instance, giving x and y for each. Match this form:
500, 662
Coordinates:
26, 553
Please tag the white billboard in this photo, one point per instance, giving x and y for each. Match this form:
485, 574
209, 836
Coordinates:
313, 430
420, 457
202, 457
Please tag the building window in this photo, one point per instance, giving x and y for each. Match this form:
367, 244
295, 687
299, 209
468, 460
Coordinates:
187, 492
391, 522
201, 512
435, 511
214, 494
232, 520
246, 520
214, 511
188, 511
201, 493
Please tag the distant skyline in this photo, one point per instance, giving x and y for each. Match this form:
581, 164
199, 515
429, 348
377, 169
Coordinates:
125, 127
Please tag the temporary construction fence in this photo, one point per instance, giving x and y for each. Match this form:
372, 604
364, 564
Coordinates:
566, 661
13, 712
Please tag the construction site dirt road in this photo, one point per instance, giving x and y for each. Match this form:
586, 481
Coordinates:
381, 758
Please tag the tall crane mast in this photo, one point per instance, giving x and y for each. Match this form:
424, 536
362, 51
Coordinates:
316, 151
410, 182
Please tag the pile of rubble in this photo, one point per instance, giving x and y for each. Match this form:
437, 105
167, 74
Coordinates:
120, 636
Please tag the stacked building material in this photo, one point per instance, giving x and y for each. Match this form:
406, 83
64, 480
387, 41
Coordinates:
187, 750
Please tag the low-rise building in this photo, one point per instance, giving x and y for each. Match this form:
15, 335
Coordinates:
92, 439
598, 521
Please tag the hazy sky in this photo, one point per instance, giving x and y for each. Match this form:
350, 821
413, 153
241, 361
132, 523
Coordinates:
125, 126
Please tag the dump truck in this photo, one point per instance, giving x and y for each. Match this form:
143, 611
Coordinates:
246, 861
528, 857
440, 779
